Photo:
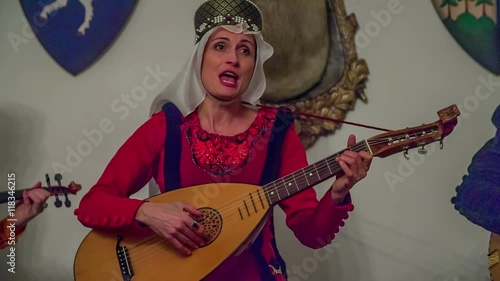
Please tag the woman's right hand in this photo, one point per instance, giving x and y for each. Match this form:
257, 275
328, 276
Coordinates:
175, 222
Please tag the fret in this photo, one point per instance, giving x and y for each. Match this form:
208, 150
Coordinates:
277, 191
328, 165
305, 176
312, 175
319, 177
293, 176
286, 188
267, 192
286, 183
274, 193
367, 147
324, 171
274, 198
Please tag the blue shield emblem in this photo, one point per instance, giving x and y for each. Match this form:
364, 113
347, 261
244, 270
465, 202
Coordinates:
474, 25
76, 32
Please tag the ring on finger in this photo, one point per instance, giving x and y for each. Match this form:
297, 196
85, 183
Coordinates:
194, 225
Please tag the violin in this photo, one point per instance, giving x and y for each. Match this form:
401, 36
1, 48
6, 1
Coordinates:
55, 190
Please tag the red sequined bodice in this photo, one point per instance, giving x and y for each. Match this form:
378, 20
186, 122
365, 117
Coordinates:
221, 155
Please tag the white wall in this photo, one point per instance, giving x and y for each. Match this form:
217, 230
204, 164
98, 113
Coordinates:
407, 230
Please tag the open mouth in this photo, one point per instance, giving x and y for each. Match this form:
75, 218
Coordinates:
228, 78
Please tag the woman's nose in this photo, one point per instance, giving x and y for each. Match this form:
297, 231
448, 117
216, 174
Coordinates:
232, 57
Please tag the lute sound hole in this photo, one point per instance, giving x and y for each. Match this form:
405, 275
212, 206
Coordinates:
212, 222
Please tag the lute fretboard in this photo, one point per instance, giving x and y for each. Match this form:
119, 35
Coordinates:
306, 177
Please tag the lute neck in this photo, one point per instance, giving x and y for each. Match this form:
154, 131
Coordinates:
309, 176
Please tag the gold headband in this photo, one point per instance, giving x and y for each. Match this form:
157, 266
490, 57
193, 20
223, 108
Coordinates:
214, 13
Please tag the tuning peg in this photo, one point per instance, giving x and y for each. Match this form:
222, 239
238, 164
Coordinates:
422, 150
47, 179
67, 203
441, 145
406, 154
58, 178
58, 203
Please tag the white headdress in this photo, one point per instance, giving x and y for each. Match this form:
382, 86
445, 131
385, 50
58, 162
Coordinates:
186, 91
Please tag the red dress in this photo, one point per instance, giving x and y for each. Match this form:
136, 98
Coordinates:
210, 158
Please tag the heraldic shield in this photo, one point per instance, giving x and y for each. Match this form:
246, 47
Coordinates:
76, 32
474, 25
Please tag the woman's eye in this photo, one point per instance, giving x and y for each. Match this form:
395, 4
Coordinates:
219, 47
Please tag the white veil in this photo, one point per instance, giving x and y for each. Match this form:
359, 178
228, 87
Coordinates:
186, 91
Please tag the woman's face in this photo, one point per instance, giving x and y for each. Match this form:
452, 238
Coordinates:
228, 64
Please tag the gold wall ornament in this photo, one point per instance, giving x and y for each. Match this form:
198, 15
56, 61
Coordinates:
315, 68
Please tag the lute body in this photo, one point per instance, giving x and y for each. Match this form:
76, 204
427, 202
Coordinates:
228, 226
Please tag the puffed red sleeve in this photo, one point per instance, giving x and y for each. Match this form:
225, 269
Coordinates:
313, 222
107, 204
7, 238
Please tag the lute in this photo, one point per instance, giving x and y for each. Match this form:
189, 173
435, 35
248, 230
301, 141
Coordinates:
232, 219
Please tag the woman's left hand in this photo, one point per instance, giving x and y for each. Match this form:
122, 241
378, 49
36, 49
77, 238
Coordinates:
355, 166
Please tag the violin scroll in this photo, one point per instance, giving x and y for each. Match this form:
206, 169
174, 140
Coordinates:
72, 188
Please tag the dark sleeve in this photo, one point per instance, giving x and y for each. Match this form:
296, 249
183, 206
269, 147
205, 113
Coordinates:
478, 195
